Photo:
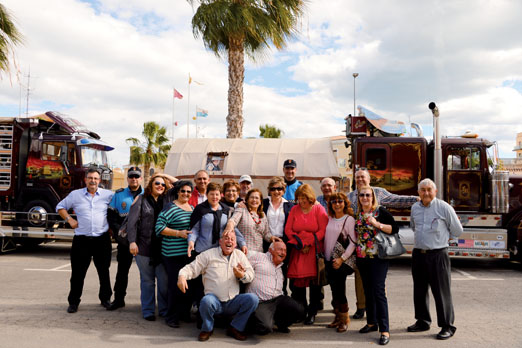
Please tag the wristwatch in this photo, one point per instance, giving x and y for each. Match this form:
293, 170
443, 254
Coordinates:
67, 218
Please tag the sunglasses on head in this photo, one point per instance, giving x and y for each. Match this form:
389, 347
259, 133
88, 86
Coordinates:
365, 194
337, 201
185, 191
134, 176
157, 183
272, 189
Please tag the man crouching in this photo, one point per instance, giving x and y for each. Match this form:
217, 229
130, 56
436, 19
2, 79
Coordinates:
222, 269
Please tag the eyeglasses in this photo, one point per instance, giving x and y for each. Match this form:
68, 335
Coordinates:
157, 183
185, 191
272, 189
368, 195
337, 201
134, 176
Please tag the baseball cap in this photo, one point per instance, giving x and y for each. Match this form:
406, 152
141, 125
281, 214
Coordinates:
245, 178
289, 163
134, 171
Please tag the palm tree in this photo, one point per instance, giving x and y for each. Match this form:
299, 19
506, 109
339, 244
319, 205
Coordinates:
240, 27
269, 131
154, 150
9, 37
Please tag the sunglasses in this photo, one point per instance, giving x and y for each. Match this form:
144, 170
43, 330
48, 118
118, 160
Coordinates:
272, 189
185, 191
157, 183
134, 176
365, 195
337, 201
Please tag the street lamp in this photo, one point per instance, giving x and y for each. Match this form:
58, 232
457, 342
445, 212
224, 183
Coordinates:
354, 76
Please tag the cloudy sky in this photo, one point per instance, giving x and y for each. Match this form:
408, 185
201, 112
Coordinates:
112, 64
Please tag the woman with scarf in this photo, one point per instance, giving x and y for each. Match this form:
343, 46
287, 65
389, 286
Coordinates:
146, 247
371, 219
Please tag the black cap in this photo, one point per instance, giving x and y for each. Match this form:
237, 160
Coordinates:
134, 171
289, 163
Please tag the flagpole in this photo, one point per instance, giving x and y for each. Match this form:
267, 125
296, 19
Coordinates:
188, 107
196, 121
172, 125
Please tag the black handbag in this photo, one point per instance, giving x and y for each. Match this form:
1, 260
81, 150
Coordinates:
389, 246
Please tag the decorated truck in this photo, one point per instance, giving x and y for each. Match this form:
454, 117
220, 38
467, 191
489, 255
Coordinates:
487, 200
42, 159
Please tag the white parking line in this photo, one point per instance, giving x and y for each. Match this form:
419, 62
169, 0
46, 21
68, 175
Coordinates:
470, 277
56, 269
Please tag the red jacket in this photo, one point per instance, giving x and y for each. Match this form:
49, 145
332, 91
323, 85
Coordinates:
193, 200
304, 226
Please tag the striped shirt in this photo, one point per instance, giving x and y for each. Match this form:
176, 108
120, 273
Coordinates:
178, 219
268, 280
252, 227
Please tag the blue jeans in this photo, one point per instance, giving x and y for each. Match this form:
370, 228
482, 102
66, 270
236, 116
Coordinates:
240, 307
148, 276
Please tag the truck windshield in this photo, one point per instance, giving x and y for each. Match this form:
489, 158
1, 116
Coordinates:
92, 156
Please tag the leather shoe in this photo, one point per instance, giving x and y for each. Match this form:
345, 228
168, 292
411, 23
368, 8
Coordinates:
150, 318
445, 333
204, 335
173, 323
310, 319
418, 327
105, 304
238, 335
72, 308
283, 329
384, 340
115, 305
366, 328
359, 314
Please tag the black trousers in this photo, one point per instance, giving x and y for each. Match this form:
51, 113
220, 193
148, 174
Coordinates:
373, 274
432, 269
82, 251
282, 311
179, 303
337, 281
299, 294
124, 258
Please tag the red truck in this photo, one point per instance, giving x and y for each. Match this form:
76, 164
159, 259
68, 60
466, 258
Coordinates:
487, 200
42, 159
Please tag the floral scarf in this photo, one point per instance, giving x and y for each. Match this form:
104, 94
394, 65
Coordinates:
366, 245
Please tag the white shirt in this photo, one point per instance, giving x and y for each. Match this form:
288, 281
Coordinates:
276, 218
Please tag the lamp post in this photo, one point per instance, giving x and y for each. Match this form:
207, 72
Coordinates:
354, 76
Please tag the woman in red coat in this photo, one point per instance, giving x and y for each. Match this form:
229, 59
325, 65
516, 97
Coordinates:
305, 220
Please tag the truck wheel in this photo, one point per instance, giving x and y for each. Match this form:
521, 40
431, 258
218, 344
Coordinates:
37, 212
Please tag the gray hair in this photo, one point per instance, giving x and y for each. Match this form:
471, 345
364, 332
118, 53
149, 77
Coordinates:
328, 179
427, 182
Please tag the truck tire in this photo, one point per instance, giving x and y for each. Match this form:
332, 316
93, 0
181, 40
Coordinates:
37, 213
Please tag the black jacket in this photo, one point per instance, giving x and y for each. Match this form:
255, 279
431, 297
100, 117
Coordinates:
141, 225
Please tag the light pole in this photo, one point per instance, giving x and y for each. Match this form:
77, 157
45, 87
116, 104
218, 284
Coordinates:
354, 76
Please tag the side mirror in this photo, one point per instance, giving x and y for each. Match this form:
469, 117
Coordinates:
63, 153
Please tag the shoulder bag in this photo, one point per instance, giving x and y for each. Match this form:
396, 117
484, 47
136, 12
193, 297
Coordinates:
389, 245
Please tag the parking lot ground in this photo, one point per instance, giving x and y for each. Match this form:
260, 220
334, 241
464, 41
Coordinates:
34, 284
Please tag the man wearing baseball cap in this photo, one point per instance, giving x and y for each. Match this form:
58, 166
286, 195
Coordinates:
289, 170
118, 210
245, 183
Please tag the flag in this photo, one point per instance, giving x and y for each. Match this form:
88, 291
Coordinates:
176, 123
201, 112
190, 81
177, 94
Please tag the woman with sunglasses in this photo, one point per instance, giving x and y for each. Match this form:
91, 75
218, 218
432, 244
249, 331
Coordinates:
251, 222
340, 227
173, 225
146, 246
276, 207
372, 218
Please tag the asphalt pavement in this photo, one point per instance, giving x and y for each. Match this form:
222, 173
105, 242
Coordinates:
34, 284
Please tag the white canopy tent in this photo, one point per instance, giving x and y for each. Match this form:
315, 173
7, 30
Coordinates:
260, 158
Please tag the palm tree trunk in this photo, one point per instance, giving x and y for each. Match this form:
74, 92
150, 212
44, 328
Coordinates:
236, 76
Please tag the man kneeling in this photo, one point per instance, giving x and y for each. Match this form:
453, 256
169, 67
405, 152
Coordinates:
274, 307
222, 268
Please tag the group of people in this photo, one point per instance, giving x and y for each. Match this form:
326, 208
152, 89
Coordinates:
233, 254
